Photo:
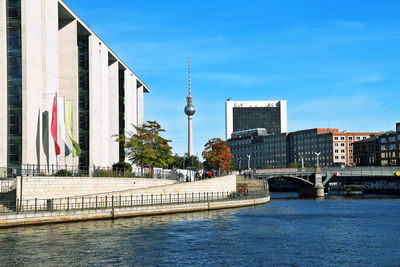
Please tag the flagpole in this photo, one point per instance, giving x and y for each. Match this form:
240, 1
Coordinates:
57, 130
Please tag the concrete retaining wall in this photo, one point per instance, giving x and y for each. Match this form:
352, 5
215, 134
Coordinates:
219, 184
61, 187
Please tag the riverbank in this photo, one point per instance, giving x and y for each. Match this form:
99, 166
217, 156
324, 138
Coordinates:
23, 219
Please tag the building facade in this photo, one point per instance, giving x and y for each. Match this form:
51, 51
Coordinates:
343, 151
258, 149
328, 145
366, 152
47, 51
389, 149
305, 143
246, 115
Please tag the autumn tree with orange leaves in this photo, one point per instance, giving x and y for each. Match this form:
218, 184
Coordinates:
218, 154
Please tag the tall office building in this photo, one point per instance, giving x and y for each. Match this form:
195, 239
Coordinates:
47, 51
246, 115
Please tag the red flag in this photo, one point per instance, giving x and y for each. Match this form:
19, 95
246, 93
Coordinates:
54, 125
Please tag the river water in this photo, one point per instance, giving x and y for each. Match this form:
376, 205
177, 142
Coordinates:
286, 232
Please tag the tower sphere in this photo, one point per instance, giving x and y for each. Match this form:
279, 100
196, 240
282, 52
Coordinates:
190, 110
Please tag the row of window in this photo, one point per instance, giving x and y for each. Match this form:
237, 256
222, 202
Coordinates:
390, 139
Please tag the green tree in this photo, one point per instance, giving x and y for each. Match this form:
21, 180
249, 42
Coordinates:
294, 165
146, 147
183, 162
267, 166
218, 154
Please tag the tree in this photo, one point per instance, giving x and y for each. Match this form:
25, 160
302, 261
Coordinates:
267, 166
146, 147
217, 154
181, 162
294, 165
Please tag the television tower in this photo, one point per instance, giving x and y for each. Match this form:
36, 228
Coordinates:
189, 111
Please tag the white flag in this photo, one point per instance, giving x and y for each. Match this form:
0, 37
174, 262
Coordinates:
61, 121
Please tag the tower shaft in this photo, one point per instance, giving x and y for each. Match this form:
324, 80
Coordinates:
190, 138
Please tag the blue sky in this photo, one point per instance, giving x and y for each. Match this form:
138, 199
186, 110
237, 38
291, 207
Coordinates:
337, 63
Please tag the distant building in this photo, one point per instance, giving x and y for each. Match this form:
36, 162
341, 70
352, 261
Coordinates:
366, 152
343, 146
264, 149
246, 115
388, 148
305, 143
282, 149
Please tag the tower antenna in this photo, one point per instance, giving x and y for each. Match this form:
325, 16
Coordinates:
189, 76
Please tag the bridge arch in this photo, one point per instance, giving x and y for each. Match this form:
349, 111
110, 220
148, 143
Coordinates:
268, 177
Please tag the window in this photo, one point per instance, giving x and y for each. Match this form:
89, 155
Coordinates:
342, 138
350, 157
336, 144
392, 146
383, 147
357, 138
336, 151
336, 157
336, 138
350, 137
351, 150
383, 140
342, 151
342, 157
342, 144
392, 139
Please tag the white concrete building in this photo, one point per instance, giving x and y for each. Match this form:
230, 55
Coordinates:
47, 51
246, 115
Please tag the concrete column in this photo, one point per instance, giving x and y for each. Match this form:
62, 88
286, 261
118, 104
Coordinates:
113, 104
33, 81
99, 103
68, 76
318, 187
131, 98
315, 191
3, 85
140, 106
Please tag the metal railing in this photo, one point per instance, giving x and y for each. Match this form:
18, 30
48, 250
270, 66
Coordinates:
94, 171
118, 201
347, 171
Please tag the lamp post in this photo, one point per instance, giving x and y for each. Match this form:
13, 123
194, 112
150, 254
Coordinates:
317, 153
302, 162
248, 161
240, 161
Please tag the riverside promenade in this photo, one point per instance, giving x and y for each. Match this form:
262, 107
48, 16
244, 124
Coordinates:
167, 199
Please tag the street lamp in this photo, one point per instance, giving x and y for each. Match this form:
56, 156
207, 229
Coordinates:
248, 161
317, 153
302, 161
240, 161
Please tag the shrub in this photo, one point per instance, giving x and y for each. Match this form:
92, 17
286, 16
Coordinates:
63, 173
122, 167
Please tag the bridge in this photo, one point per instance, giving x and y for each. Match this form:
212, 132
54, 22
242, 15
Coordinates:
313, 180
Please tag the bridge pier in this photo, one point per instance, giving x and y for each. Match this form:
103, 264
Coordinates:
316, 191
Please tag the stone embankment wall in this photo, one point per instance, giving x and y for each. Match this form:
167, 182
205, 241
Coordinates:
61, 187
12, 220
56, 188
214, 185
